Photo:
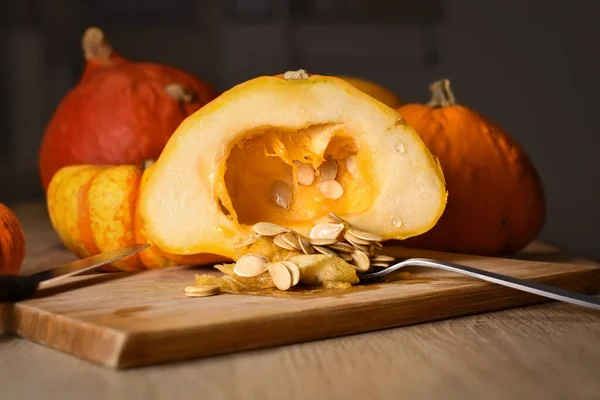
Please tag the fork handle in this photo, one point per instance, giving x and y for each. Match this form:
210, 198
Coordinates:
525, 285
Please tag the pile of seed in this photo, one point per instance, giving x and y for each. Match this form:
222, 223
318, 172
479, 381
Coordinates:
336, 237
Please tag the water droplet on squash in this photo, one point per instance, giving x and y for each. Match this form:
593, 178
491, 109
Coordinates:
399, 147
397, 222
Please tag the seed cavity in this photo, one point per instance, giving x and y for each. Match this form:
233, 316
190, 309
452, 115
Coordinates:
281, 194
331, 189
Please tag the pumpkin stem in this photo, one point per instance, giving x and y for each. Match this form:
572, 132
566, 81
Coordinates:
95, 47
441, 94
295, 75
179, 93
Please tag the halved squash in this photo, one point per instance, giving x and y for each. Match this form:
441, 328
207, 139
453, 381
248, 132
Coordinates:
247, 156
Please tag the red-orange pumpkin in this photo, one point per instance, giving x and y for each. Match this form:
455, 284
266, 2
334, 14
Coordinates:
12, 242
120, 112
496, 201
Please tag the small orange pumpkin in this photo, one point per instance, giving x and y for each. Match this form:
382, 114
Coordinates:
94, 209
12, 242
120, 112
496, 201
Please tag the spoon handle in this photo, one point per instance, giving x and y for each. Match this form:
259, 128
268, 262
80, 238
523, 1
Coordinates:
525, 285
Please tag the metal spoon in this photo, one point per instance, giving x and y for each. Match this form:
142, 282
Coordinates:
505, 280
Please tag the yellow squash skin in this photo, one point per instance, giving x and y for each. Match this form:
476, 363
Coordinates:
93, 209
374, 90
186, 206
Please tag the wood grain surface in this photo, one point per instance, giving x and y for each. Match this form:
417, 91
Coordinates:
549, 351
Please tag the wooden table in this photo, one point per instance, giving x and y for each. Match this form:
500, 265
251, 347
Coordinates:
549, 351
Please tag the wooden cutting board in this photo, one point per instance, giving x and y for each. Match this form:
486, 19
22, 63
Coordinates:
126, 320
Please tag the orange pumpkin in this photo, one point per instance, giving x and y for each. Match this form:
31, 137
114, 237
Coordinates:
94, 209
120, 112
12, 242
496, 201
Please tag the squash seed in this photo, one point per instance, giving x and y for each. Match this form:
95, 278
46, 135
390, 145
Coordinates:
268, 229
351, 165
331, 189
251, 264
294, 271
377, 245
281, 275
328, 170
335, 219
380, 264
360, 261
326, 230
281, 194
281, 242
383, 258
345, 256
292, 239
246, 241
306, 173
342, 247
353, 240
322, 242
305, 245
325, 250
368, 236
201, 291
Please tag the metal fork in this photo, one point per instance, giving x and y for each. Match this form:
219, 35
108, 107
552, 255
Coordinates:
520, 284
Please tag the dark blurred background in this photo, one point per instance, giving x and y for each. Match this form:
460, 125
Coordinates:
528, 65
